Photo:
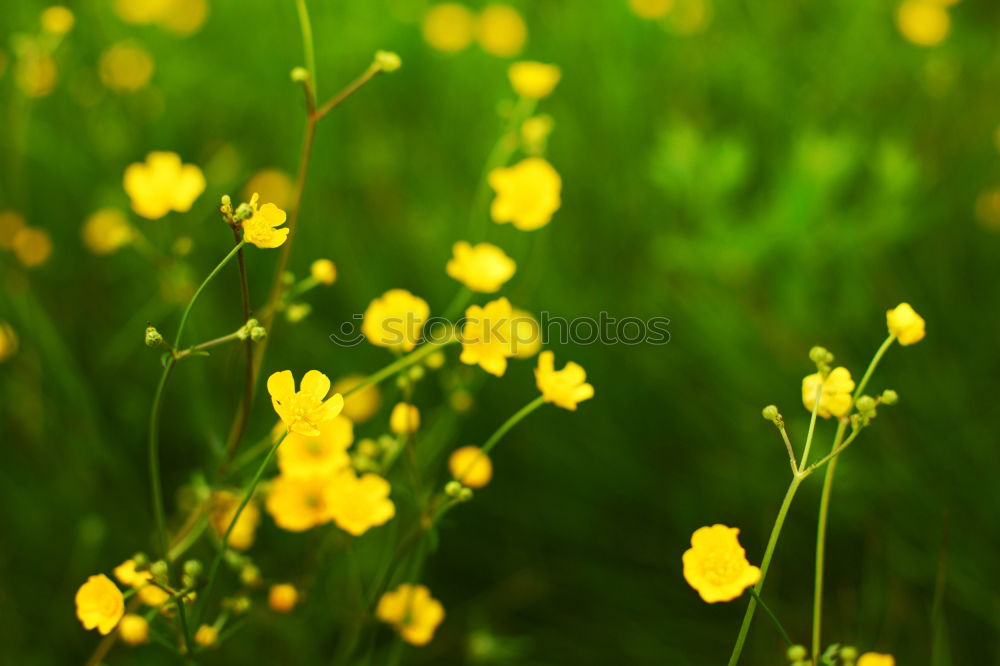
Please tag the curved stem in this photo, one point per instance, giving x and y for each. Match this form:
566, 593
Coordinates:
511, 422
201, 288
774, 618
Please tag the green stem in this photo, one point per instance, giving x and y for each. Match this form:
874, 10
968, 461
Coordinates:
309, 53
774, 618
397, 365
185, 628
159, 515
458, 303
812, 426
201, 288
510, 423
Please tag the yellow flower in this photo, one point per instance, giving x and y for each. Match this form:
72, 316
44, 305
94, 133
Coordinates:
923, 22
99, 604
106, 230
535, 131
322, 455
487, 336
298, 504
470, 467
134, 629
501, 31
404, 419
448, 27
206, 635
323, 271
905, 324
162, 184
261, 229
876, 659
303, 412
688, 17
835, 398
223, 509
142, 12
716, 565
651, 9
273, 185
357, 504
57, 20
185, 17
8, 341
363, 403
35, 72
412, 612
125, 67
483, 267
534, 80
149, 593
10, 224
32, 246
127, 575
394, 320
527, 194
282, 597
565, 388
526, 340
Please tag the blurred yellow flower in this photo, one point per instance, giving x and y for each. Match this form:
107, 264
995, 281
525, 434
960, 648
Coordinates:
564, 388
8, 341
32, 246
126, 67
126, 574
57, 20
142, 12
322, 455
282, 597
486, 336
404, 419
323, 271
535, 132
688, 17
412, 612
501, 31
298, 504
206, 635
470, 467
526, 339
273, 185
448, 27
534, 80
224, 504
835, 398
162, 184
185, 17
876, 659
261, 229
923, 22
356, 504
363, 403
395, 320
99, 604
651, 9
149, 593
10, 224
527, 194
35, 72
305, 410
716, 565
905, 324
482, 267
106, 230
134, 629
987, 208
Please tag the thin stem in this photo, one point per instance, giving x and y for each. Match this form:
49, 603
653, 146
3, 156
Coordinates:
185, 628
833, 454
788, 446
247, 400
201, 288
510, 423
774, 618
396, 366
812, 425
308, 51
159, 515
349, 90
457, 303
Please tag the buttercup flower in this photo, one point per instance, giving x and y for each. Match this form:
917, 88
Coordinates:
261, 229
322, 455
303, 412
905, 324
223, 509
282, 597
394, 320
876, 659
298, 504
134, 629
835, 398
149, 593
323, 271
363, 403
273, 185
8, 341
10, 224
482, 267
126, 67
206, 635
99, 604
448, 27
923, 22
162, 184
404, 419
501, 31
534, 80
564, 388
356, 504
412, 612
527, 338
527, 194
32, 246
651, 9
57, 20
106, 230
127, 575
487, 335
470, 467
716, 565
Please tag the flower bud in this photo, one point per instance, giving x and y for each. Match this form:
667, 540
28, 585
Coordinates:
300, 74
820, 355
770, 413
240, 605
848, 653
250, 575
865, 404
416, 373
368, 448
387, 61
140, 559
258, 333
243, 211
159, 571
453, 489
193, 568
465, 494
797, 653
153, 337
889, 397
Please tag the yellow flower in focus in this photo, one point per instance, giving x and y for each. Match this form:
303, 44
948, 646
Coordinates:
395, 320
534, 80
185, 17
32, 246
322, 455
876, 659
162, 184
57, 20
487, 336
282, 597
448, 27
835, 398
526, 338
356, 504
261, 229
10, 224
106, 230
716, 565
99, 604
470, 467
501, 31
125, 67
535, 132
527, 194
273, 185
363, 403
206, 635
35, 73
223, 509
651, 9
412, 612
8, 341
298, 504
323, 271
305, 410
564, 388
482, 267
905, 324
134, 629
923, 22
404, 419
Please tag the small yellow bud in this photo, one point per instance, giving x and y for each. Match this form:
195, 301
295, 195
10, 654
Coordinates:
820, 355
250, 575
240, 605
435, 360
296, 312
848, 653
388, 61
300, 74
258, 333
465, 494
368, 448
323, 271
282, 597
405, 419
206, 635
133, 629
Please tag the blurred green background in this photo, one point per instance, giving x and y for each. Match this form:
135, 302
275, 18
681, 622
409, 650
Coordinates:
769, 176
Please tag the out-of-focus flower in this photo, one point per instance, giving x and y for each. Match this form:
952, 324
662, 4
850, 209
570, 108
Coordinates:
876, 659
535, 132
395, 320
448, 27
388, 61
689, 17
282, 597
835, 397
564, 388
987, 206
10, 224
273, 185
185, 17
134, 629
262, 227
32, 246
298, 504
487, 335
149, 593
142, 12
323, 271
99, 604
404, 419
923, 22
501, 31
127, 575
651, 9
322, 455
527, 194
106, 230
126, 67
356, 504
305, 410
904, 322
363, 403
57, 20
8, 341
223, 509
162, 184
35, 72
412, 612
716, 565
482, 267
526, 340
206, 635
534, 80
470, 466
